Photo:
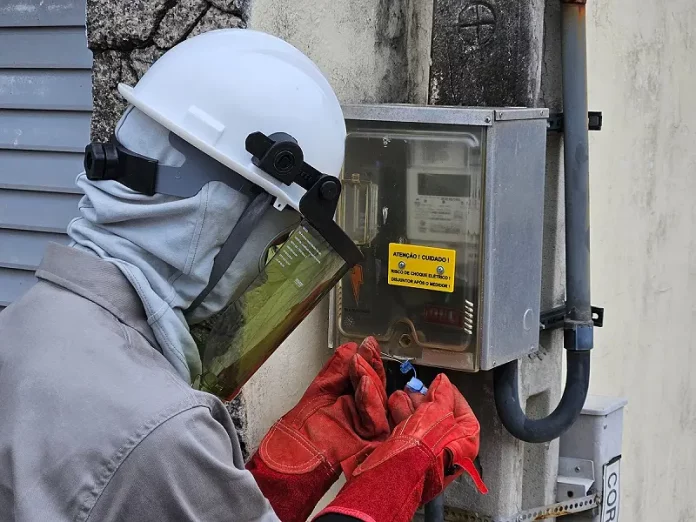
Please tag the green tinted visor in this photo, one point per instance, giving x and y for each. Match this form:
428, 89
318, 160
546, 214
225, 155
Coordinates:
237, 341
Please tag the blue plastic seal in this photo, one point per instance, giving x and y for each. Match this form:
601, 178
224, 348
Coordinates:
406, 367
417, 385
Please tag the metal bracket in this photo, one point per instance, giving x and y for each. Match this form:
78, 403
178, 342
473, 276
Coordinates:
560, 509
555, 122
575, 494
557, 318
575, 478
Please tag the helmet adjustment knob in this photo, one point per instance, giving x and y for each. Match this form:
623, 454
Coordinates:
284, 161
278, 155
330, 189
101, 161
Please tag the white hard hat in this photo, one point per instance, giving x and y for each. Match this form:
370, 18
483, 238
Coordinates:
248, 110
217, 89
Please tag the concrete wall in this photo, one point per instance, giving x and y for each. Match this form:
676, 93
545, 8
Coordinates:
642, 58
370, 50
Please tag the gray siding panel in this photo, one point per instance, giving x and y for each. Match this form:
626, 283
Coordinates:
24, 250
38, 211
44, 130
45, 104
34, 13
14, 283
44, 48
42, 171
47, 89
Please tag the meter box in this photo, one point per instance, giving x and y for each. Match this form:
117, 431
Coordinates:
446, 205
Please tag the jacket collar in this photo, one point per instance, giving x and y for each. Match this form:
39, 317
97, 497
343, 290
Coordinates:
97, 280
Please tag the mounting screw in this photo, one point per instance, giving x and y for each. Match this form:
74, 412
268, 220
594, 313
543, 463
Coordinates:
488, 119
402, 265
440, 270
577, 469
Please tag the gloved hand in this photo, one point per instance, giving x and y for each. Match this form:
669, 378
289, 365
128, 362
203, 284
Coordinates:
340, 419
436, 439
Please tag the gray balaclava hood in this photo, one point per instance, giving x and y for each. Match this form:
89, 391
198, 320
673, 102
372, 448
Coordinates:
166, 245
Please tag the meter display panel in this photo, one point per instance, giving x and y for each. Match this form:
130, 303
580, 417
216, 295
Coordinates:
412, 203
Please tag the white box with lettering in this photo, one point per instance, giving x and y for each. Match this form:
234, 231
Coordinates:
597, 436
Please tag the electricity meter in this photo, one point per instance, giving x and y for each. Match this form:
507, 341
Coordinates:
446, 205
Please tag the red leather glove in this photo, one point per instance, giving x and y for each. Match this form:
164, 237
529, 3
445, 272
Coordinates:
403, 404
426, 452
340, 419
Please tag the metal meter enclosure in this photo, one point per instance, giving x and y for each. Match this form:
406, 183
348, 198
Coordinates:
446, 205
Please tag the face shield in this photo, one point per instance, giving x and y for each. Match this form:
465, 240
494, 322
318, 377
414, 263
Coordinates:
297, 272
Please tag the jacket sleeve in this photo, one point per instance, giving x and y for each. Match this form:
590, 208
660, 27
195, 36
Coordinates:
184, 470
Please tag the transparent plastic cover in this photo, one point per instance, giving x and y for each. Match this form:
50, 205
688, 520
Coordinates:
413, 187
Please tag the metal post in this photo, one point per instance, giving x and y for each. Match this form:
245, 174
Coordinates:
578, 322
577, 178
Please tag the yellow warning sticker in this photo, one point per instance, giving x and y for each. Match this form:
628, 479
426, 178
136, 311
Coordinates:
417, 266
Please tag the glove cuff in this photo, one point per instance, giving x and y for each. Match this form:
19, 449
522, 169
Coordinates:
388, 492
292, 496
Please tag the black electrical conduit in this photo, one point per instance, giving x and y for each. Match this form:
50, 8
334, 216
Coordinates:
507, 401
578, 324
435, 509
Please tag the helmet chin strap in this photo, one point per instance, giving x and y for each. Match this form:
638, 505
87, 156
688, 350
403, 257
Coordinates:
253, 212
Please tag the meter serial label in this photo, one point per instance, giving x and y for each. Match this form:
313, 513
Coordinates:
417, 266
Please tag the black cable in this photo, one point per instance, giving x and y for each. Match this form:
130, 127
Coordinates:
507, 401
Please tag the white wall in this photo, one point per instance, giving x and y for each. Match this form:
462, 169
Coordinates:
279, 384
642, 58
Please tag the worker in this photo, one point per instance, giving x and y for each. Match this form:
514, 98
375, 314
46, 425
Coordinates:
115, 365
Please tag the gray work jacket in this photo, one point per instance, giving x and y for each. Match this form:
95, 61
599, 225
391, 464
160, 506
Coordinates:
95, 424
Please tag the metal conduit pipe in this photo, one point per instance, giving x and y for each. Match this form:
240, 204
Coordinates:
435, 509
578, 324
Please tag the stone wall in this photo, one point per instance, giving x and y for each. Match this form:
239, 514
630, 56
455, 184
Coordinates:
127, 36
486, 53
